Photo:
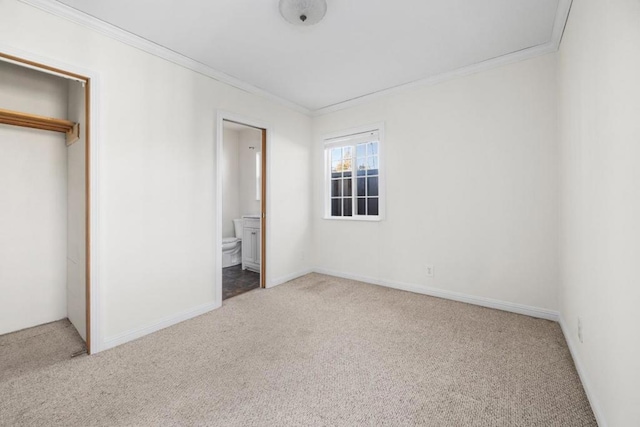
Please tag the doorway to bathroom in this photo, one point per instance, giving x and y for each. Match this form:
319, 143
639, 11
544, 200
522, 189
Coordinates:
241, 206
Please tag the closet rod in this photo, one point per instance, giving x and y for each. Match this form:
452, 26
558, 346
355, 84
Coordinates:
15, 118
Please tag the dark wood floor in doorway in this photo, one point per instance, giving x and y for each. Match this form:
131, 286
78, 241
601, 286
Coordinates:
236, 281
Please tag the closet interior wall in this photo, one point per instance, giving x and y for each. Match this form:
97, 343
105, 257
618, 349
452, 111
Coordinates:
42, 211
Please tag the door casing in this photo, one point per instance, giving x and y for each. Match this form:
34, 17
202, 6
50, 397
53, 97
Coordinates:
265, 206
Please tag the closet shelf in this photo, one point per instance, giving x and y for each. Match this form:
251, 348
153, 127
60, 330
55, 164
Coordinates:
15, 118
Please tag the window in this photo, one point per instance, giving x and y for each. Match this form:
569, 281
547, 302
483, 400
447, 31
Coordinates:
353, 176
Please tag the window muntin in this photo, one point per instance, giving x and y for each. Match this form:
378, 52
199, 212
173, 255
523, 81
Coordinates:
367, 179
354, 176
342, 181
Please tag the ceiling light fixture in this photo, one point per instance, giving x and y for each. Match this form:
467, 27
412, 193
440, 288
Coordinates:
303, 12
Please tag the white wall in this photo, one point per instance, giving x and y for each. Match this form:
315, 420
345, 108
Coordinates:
158, 176
471, 182
33, 208
239, 175
230, 181
76, 213
249, 138
600, 192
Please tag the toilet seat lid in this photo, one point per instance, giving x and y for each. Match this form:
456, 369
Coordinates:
230, 239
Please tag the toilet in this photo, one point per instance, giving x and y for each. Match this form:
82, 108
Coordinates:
232, 246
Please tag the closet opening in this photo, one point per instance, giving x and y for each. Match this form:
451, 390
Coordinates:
45, 315
242, 207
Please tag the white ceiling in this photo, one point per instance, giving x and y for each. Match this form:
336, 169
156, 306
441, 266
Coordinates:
361, 47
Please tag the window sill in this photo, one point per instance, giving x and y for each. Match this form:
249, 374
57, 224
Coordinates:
351, 218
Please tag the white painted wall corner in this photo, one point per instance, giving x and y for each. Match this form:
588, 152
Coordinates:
289, 277
582, 373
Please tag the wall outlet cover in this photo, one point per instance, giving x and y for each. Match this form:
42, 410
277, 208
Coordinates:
430, 271
580, 330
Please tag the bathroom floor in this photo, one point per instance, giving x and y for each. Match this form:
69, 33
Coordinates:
236, 281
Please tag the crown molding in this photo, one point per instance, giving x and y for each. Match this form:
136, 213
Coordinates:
510, 58
562, 15
109, 30
74, 15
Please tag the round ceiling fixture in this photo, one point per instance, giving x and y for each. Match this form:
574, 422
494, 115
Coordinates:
303, 12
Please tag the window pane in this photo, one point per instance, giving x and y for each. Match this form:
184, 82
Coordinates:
347, 187
362, 206
340, 166
336, 187
347, 207
372, 206
372, 165
372, 148
361, 188
336, 155
372, 186
336, 167
336, 205
363, 161
361, 165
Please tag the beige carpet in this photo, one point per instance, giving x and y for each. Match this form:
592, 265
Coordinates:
317, 351
37, 348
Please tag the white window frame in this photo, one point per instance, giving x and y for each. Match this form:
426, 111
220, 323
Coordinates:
340, 139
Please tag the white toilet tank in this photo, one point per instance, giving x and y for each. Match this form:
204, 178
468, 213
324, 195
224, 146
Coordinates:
237, 225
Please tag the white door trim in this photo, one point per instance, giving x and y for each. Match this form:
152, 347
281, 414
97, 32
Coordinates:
221, 116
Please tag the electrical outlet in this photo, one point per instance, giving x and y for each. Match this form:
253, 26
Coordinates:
580, 329
430, 271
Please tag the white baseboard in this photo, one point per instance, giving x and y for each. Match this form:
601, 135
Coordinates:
287, 278
156, 326
499, 305
420, 289
541, 313
582, 373
181, 317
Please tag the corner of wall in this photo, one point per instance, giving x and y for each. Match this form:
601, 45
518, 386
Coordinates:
582, 373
